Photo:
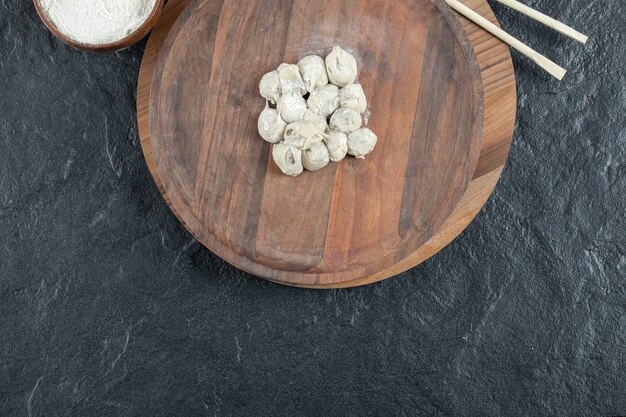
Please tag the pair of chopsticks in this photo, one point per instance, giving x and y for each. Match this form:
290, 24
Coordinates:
545, 63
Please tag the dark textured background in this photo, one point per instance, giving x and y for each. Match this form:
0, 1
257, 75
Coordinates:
108, 307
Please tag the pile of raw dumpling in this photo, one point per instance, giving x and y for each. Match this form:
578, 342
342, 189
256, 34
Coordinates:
309, 132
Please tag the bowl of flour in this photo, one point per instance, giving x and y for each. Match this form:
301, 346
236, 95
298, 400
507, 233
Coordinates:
99, 25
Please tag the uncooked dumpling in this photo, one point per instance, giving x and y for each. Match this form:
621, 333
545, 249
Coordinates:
313, 71
341, 67
291, 107
288, 159
353, 97
361, 142
269, 87
315, 157
271, 126
337, 144
290, 79
320, 121
345, 120
324, 100
302, 134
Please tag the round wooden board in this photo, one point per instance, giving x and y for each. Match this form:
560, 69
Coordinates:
499, 114
349, 220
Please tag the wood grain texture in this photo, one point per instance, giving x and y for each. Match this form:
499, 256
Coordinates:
128, 41
316, 264
352, 219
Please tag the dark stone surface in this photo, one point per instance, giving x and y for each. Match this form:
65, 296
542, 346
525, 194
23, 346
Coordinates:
108, 307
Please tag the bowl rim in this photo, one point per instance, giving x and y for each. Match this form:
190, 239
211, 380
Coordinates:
123, 43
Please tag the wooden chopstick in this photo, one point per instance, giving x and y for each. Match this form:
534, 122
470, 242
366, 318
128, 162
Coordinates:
546, 20
548, 65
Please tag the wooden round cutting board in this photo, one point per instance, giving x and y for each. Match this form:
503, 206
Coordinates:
352, 219
354, 222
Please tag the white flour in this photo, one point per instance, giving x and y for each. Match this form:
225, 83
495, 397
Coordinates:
97, 22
